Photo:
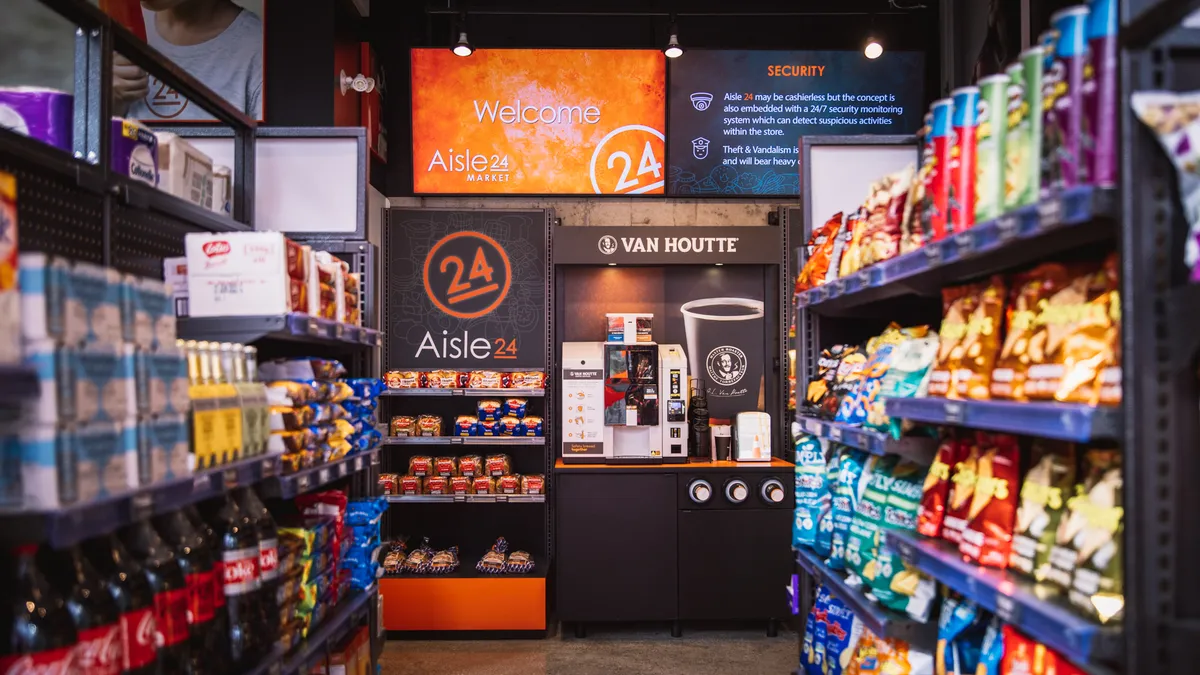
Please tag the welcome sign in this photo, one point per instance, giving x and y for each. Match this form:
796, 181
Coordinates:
539, 121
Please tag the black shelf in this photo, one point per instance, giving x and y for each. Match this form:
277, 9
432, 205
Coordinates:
286, 487
140, 195
468, 499
466, 569
1067, 221
465, 440
874, 442
882, 622
1153, 19
349, 614
1015, 599
529, 393
1064, 421
286, 327
18, 384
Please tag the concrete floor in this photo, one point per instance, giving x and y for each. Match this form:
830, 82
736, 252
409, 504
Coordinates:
605, 651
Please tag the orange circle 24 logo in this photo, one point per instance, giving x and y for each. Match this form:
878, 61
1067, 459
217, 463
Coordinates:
467, 274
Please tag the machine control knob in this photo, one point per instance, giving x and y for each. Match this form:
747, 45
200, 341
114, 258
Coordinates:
772, 491
736, 491
700, 491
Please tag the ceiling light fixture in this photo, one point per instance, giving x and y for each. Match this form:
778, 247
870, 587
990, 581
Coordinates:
873, 50
673, 50
463, 46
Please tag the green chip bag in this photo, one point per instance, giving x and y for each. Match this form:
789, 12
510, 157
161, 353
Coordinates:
897, 586
863, 542
1092, 531
1042, 503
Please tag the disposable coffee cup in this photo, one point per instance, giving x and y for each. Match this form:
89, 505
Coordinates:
725, 348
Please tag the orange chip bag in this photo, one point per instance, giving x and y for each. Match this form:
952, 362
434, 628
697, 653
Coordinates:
958, 303
981, 342
819, 251
1029, 289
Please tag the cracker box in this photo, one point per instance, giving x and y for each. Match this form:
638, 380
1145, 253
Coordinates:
243, 274
184, 171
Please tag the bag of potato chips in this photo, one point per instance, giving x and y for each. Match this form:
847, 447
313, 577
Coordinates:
812, 495
962, 487
846, 491
987, 538
1088, 544
842, 632
863, 542
981, 342
824, 541
1029, 289
936, 489
897, 586
1043, 501
958, 304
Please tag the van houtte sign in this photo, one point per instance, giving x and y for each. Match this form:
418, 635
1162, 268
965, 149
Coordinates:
668, 245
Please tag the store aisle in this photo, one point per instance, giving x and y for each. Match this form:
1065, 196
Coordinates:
603, 652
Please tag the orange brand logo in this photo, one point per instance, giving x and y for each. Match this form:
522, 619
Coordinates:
467, 275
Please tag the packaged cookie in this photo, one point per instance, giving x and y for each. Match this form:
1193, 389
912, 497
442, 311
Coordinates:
284, 418
987, 538
936, 490
483, 485
437, 485
444, 562
389, 483
511, 426
958, 304
487, 428
420, 465
489, 379
429, 425
1043, 500
817, 254
533, 484
1029, 290
1087, 550
461, 485
531, 426
403, 425
464, 425
962, 487
444, 466
489, 410
410, 485
515, 407
402, 379
519, 562
508, 484
470, 466
493, 561
498, 465
981, 342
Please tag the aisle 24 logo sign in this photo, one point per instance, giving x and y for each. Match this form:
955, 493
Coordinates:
467, 275
537, 121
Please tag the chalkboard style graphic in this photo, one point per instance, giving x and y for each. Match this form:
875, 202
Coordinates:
466, 289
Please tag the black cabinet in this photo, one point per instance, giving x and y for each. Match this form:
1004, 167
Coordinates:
734, 564
617, 557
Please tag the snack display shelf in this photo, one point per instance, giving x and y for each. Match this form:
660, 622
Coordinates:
139, 195
882, 622
18, 384
348, 614
874, 442
1058, 223
1063, 421
486, 499
286, 487
466, 569
288, 327
1014, 599
464, 440
464, 392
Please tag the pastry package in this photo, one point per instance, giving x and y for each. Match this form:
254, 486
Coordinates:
532, 379
284, 418
987, 538
936, 490
429, 425
487, 428
533, 484
519, 562
489, 379
489, 410
497, 465
461, 485
402, 379
1029, 289
508, 484
444, 562
483, 485
962, 487
958, 304
443, 379
818, 252
410, 485
531, 426
464, 425
1041, 505
470, 465
420, 465
1086, 558
1174, 117
437, 485
515, 407
389, 483
493, 561
403, 425
444, 466
981, 341
418, 560
511, 426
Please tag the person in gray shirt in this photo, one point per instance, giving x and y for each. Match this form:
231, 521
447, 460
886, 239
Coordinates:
215, 41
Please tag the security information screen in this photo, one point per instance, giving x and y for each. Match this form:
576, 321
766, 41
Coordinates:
735, 117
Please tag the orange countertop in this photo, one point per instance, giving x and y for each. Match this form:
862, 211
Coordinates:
694, 465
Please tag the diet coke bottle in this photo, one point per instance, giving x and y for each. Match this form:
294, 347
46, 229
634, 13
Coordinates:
236, 544
94, 612
38, 635
129, 588
195, 557
170, 595
268, 557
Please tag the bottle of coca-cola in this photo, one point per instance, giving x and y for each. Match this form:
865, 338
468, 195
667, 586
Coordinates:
205, 531
236, 542
94, 612
129, 588
36, 631
195, 557
170, 595
268, 557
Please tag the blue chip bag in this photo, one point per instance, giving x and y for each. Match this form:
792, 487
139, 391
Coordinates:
961, 629
824, 541
842, 632
366, 388
846, 491
810, 487
992, 649
816, 662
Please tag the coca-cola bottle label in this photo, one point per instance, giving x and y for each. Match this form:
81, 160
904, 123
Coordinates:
201, 604
138, 636
50, 662
170, 610
240, 571
268, 559
99, 650
218, 584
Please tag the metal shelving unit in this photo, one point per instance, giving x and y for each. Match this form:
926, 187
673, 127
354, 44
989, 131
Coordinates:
479, 393
874, 442
301, 328
1064, 421
469, 499
498, 441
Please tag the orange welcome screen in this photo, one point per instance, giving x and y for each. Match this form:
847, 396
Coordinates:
538, 121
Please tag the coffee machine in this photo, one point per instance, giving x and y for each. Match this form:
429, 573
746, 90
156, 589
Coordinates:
644, 403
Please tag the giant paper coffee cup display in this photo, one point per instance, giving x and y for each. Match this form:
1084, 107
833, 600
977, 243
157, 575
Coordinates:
725, 349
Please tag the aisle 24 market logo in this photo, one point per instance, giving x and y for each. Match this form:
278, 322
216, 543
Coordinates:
726, 365
467, 275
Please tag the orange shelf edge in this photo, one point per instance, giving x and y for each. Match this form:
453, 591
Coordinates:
478, 603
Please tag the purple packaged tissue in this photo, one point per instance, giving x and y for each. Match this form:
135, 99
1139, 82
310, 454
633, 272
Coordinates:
44, 114
134, 151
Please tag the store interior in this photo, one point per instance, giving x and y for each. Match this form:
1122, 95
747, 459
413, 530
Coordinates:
343, 337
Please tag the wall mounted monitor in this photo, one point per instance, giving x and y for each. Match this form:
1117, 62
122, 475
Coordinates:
539, 122
736, 116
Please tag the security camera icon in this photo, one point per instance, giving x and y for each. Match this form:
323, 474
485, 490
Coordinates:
701, 100
700, 148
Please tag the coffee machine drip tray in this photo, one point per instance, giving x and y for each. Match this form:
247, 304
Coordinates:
634, 445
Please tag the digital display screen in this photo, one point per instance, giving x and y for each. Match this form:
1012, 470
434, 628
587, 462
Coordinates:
736, 117
539, 121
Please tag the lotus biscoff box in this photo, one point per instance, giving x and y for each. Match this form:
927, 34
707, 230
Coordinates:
242, 274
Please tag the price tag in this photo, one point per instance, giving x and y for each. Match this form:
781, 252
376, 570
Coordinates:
1050, 212
835, 433
964, 242
953, 412
374, 460
864, 279
838, 287
1007, 609
313, 326
458, 392
302, 483
378, 340
812, 426
502, 498
358, 465
1006, 228
141, 506
456, 440
323, 476
230, 476
933, 251
460, 499
268, 468
339, 331
201, 483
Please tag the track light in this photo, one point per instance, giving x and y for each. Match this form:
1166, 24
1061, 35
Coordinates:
873, 50
673, 50
463, 46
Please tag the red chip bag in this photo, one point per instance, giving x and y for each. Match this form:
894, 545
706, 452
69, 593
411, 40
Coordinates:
987, 539
932, 509
962, 489
1022, 655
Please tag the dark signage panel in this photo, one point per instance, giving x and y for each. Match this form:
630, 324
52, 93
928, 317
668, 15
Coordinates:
667, 245
466, 289
736, 117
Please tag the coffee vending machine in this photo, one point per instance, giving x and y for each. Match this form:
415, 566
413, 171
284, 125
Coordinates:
641, 416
